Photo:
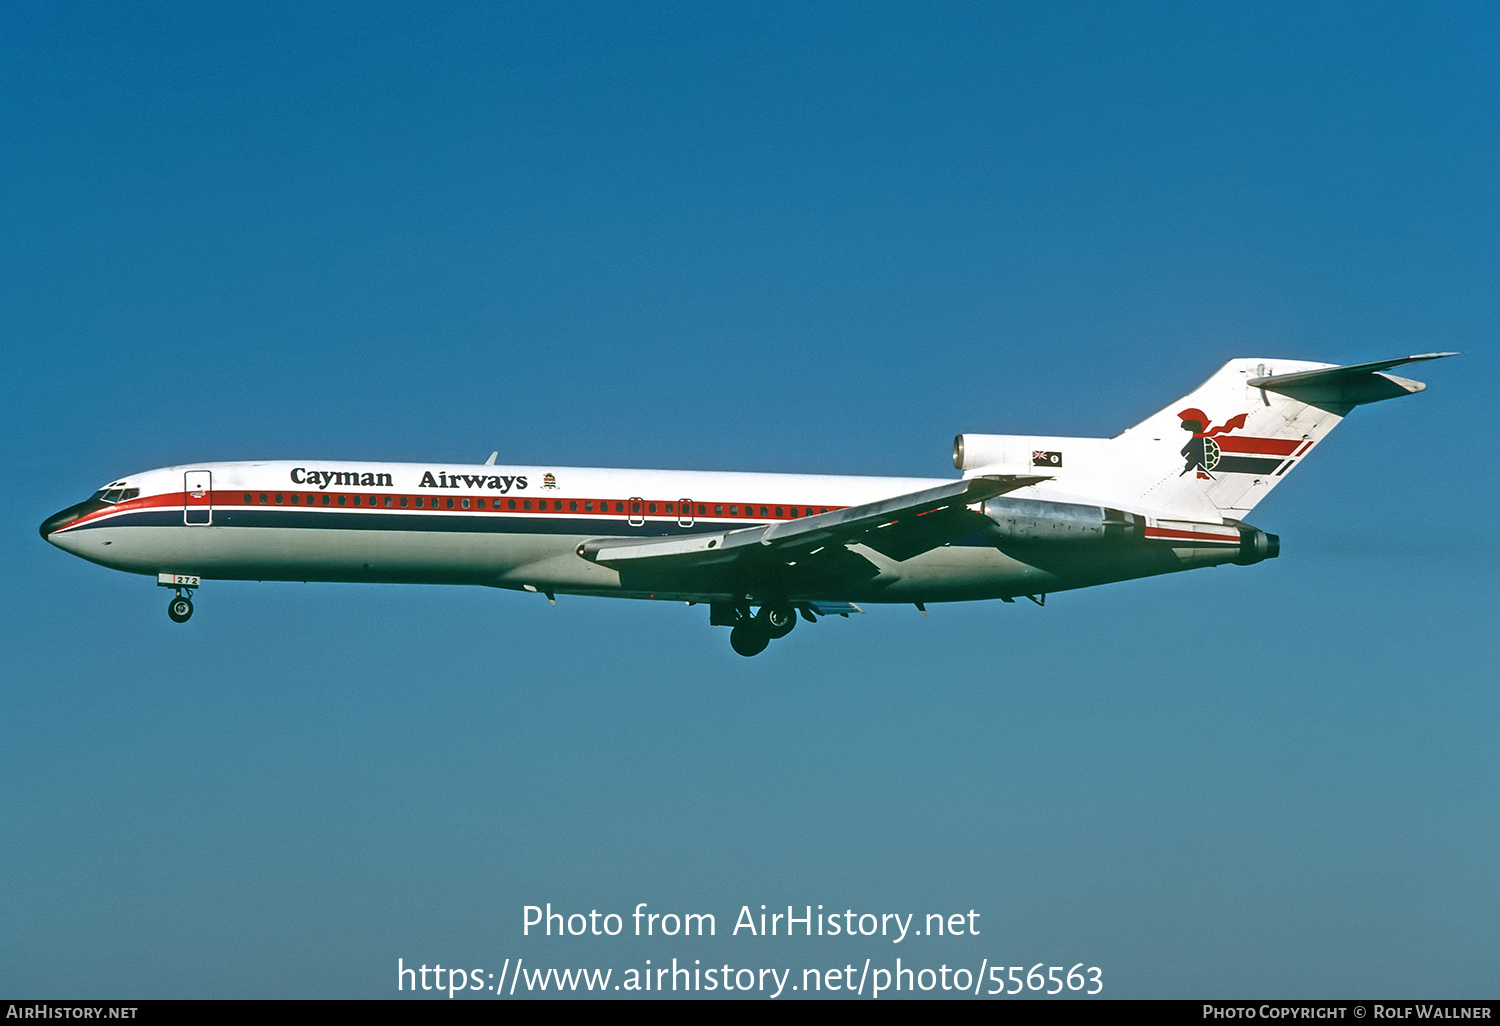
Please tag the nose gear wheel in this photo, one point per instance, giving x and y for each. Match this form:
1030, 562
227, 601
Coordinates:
180, 609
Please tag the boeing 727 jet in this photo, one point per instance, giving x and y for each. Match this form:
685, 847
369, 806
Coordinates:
1028, 516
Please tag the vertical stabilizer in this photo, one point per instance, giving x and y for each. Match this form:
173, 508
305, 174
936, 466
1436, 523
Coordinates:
1225, 445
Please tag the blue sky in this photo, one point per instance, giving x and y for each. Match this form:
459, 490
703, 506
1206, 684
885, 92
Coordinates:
799, 238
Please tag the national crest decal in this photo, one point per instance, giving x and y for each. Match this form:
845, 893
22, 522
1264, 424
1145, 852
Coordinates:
549, 480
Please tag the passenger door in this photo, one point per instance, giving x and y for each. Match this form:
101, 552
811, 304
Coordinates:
198, 498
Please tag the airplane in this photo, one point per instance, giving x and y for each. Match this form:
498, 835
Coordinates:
1029, 515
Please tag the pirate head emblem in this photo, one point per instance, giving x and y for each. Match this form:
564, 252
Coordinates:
1202, 452
1194, 420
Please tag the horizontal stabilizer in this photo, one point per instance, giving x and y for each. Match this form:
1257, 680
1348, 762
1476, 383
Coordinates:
1342, 388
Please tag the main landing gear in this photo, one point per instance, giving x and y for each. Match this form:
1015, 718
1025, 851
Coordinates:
748, 639
180, 609
750, 635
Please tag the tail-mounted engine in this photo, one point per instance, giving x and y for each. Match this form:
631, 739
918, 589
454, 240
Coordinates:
1037, 522
1034, 521
1256, 545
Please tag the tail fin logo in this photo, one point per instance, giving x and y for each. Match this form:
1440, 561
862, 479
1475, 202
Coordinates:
1202, 453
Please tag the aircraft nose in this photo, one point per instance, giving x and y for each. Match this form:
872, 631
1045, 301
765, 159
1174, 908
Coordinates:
63, 518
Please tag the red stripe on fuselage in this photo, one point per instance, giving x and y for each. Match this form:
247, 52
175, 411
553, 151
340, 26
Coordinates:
1258, 446
747, 514
1174, 534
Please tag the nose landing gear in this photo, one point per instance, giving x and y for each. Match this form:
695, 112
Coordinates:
180, 609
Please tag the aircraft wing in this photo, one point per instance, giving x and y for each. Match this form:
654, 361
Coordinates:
899, 527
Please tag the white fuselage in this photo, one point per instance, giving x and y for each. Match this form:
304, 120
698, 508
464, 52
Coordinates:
522, 527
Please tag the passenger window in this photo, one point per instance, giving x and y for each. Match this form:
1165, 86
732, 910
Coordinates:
763, 512
326, 500
526, 504
403, 502
778, 511
669, 507
702, 509
794, 512
387, 502
479, 504
734, 511
650, 507
619, 507
249, 498
511, 504
450, 502
280, 499
342, 500
466, 503
572, 507
588, 507
356, 500
296, 498
262, 498
718, 511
